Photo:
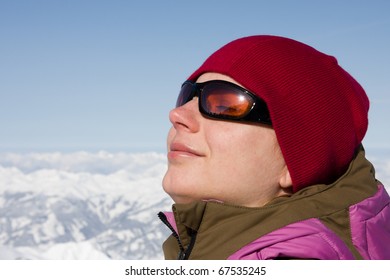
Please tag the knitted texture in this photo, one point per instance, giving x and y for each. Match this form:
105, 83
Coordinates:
319, 112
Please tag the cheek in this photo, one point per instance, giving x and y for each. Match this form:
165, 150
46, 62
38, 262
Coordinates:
246, 156
231, 156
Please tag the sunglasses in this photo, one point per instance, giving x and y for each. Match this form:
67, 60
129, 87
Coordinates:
226, 101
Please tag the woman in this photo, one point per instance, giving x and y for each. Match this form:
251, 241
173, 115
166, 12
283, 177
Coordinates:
265, 159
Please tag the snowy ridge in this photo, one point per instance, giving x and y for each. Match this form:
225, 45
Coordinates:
81, 206
89, 205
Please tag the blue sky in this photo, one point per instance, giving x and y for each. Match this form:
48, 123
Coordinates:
103, 75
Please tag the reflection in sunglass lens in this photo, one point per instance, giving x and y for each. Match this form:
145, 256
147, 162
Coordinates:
226, 102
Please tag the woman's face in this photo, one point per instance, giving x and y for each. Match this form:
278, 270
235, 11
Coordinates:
231, 162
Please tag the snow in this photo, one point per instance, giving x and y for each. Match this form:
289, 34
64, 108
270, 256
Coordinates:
89, 205
82, 205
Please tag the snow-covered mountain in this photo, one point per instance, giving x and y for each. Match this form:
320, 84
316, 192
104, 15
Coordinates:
89, 205
82, 206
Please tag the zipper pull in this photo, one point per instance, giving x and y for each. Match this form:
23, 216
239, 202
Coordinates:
165, 221
184, 254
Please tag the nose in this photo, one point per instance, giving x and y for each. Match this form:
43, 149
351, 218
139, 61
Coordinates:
186, 117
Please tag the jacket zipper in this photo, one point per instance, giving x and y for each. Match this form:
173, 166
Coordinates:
184, 254
190, 246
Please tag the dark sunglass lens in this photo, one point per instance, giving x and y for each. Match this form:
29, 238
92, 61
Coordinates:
185, 95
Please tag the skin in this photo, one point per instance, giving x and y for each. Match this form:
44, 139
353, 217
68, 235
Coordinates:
231, 162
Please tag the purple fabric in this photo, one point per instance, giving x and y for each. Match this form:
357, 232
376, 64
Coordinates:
370, 230
171, 219
370, 226
308, 239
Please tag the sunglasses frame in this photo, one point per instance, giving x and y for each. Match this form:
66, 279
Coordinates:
258, 113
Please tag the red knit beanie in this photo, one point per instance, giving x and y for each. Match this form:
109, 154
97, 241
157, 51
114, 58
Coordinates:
318, 111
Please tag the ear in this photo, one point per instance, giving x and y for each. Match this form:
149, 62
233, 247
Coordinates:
285, 181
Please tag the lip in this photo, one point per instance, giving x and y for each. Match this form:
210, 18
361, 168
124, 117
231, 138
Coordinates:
182, 150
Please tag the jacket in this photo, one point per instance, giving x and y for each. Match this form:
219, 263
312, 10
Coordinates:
348, 219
